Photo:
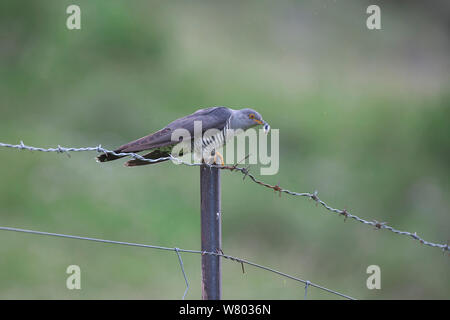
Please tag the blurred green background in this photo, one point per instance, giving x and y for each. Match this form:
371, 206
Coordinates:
363, 118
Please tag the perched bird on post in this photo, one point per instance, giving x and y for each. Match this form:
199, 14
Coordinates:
160, 143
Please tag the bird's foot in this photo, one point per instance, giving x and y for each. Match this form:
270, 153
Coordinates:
217, 154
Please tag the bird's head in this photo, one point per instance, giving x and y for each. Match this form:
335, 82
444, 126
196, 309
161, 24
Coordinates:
247, 118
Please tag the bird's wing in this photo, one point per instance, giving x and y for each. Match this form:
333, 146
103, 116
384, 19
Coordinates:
214, 117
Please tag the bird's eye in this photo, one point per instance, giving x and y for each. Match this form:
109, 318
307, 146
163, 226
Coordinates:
251, 116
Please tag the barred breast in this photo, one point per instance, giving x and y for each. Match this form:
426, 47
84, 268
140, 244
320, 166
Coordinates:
212, 140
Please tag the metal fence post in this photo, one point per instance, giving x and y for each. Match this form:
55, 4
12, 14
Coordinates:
211, 229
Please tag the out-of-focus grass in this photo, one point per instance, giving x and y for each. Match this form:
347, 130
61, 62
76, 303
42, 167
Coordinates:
363, 118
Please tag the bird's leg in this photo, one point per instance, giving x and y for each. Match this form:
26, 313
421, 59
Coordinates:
217, 154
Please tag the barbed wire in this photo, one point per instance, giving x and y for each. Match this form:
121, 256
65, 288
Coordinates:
178, 251
246, 173
314, 196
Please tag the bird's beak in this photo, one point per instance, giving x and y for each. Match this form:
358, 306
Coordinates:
265, 125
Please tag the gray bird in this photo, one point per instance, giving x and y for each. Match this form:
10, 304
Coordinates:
160, 143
